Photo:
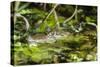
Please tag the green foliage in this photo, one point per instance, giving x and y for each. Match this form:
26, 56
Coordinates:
73, 47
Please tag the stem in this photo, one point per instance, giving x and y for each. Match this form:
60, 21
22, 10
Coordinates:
68, 19
17, 3
76, 18
50, 13
26, 21
92, 24
44, 7
23, 6
56, 19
